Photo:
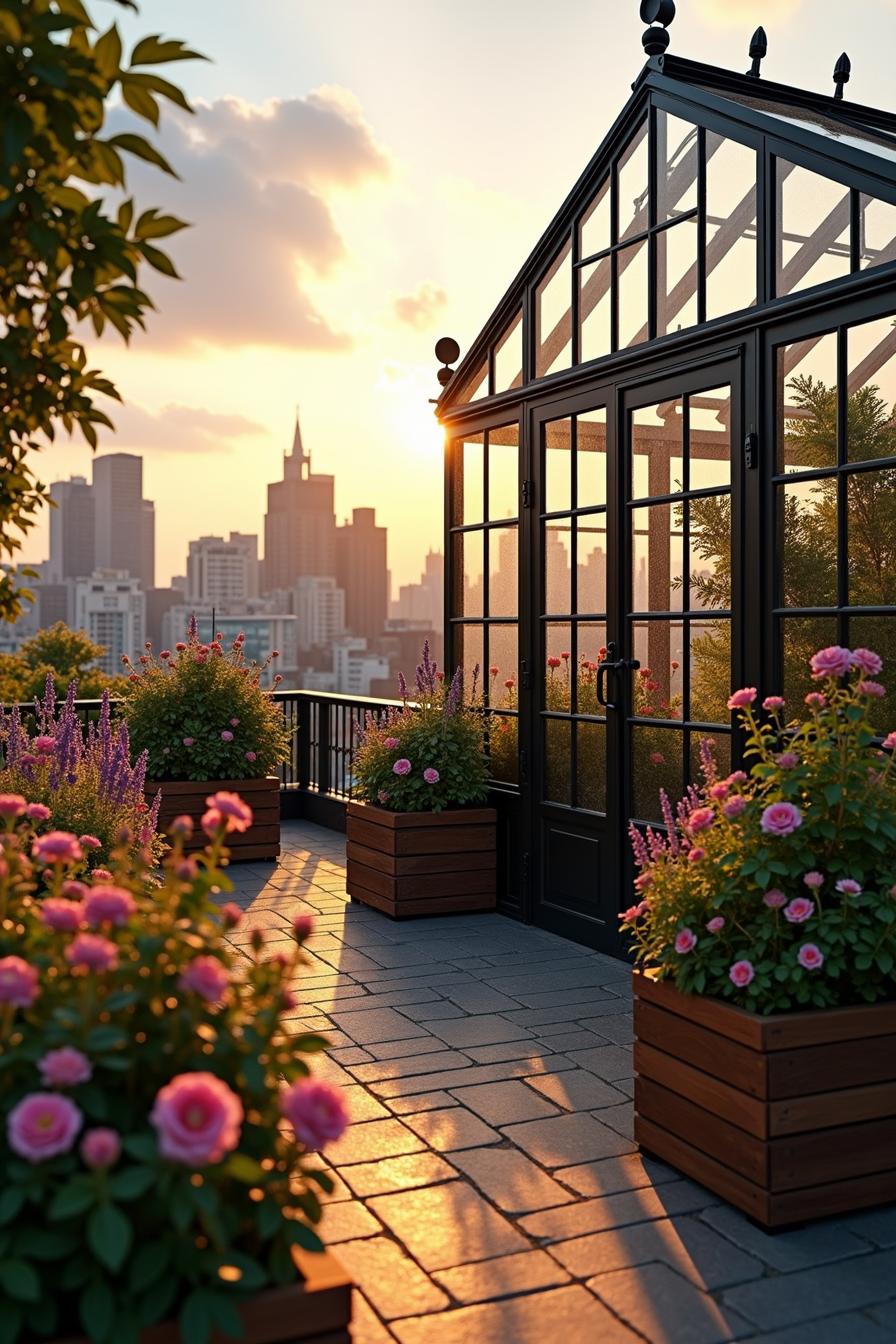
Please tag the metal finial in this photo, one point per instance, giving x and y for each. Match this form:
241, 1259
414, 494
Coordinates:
841, 75
447, 351
656, 40
758, 51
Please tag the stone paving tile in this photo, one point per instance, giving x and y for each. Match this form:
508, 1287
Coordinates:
886, 1315
367, 1328
684, 1244
447, 1225
510, 1180
372, 1140
565, 1140
451, 1129
630, 1206
347, 1220
442, 1011
475, 998
786, 1251
540, 1318
377, 1024
878, 1225
504, 1103
484, 1030
667, 1309
577, 1091
607, 1061
810, 1294
509, 1274
415, 1045
500, 1054
362, 1106
391, 1280
559, 1037
849, 1328
396, 1173
410, 1066
614, 1174
421, 1101
480, 1073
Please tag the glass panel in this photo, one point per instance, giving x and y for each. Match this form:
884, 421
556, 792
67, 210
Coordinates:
676, 277
594, 310
870, 413
503, 472
709, 434
553, 317
877, 231
807, 524
591, 563
591, 458
801, 636
709, 564
557, 565
657, 558
502, 657
591, 766
557, 753
657, 448
878, 633
469, 477
676, 166
730, 226
658, 687
503, 586
475, 387
719, 745
592, 649
807, 404
471, 659
468, 563
657, 763
557, 657
710, 651
871, 538
509, 357
503, 748
594, 226
631, 178
631, 288
813, 228
558, 466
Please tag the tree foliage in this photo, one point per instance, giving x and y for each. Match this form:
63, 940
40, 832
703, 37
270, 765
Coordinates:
63, 654
67, 257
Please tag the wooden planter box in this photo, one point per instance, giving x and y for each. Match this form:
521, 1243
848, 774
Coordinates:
316, 1310
788, 1117
421, 863
261, 841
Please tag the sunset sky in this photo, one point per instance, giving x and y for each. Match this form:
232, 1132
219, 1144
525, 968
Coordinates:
363, 178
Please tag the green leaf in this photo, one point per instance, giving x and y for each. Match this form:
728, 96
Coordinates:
159, 261
142, 149
97, 1309
153, 225
149, 1263
196, 1317
72, 1199
19, 1280
244, 1168
10, 1323
131, 1183
106, 1038
11, 1201
300, 1234
107, 53
141, 1146
139, 101
109, 1235
153, 50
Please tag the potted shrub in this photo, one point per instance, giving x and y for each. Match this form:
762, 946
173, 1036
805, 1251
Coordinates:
206, 723
78, 779
156, 1116
419, 840
765, 933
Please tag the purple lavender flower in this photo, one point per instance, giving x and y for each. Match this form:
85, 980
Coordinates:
455, 691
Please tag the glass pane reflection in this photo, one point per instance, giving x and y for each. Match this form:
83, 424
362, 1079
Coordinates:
801, 636
730, 226
558, 760
503, 472
557, 565
558, 466
807, 404
658, 574
553, 317
807, 528
591, 767
813, 228
658, 686
657, 763
502, 566
508, 355
631, 290
591, 458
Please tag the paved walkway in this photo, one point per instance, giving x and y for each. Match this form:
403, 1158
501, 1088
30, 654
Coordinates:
488, 1191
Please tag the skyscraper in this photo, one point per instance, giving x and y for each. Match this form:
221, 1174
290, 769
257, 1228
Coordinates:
111, 607
362, 572
223, 572
72, 529
300, 524
125, 522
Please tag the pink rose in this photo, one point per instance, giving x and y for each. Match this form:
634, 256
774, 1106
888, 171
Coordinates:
12, 804
780, 819
233, 722
741, 699
810, 957
869, 662
65, 1067
42, 1125
815, 700
188, 741
251, 756
303, 927
288, 1001
227, 735
231, 915
657, 758
831, 662
848, 886
206, 977
44, 745
316, 1111
91, 952
227, 810
787, 760
75, 890
700, 819
814, 880
37, 812
430, 775
799, 910
102, 875
64, 916
737, 777
100, 1148
182, 825
57, 847
90, 842
696, 855
186, 869
715, 925
741, 973
18, 982
402, 766
197, 1119
734, 807
685, 941
772, 703
390, 743
774, 899
872, 688
719, 791
890, 741
108, 905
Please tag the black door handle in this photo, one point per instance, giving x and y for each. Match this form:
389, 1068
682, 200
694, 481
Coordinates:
612, 664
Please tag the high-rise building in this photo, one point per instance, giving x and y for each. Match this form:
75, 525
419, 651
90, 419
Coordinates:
125, 522
72, 530
300, 525
363, 574
319, 605
223, 572
424, 601
111, 606
158, 601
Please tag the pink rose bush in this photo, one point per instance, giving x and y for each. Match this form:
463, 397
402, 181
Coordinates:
430, 754
786, 903
158, 1117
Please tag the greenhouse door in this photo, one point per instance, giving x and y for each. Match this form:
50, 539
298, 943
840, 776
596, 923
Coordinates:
633, 625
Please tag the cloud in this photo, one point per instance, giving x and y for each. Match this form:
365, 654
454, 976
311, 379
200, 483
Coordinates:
255, 183
723, 14
419, 309
176, 428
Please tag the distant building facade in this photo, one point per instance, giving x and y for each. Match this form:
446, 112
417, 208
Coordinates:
424, 601
125, 521
72, 530
300, 523
319, 606
361, 571
111, 607
223, 572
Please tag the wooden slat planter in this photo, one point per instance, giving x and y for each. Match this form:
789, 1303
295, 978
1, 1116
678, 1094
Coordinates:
316, 1310
787, 1117
261, 841
421, 863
